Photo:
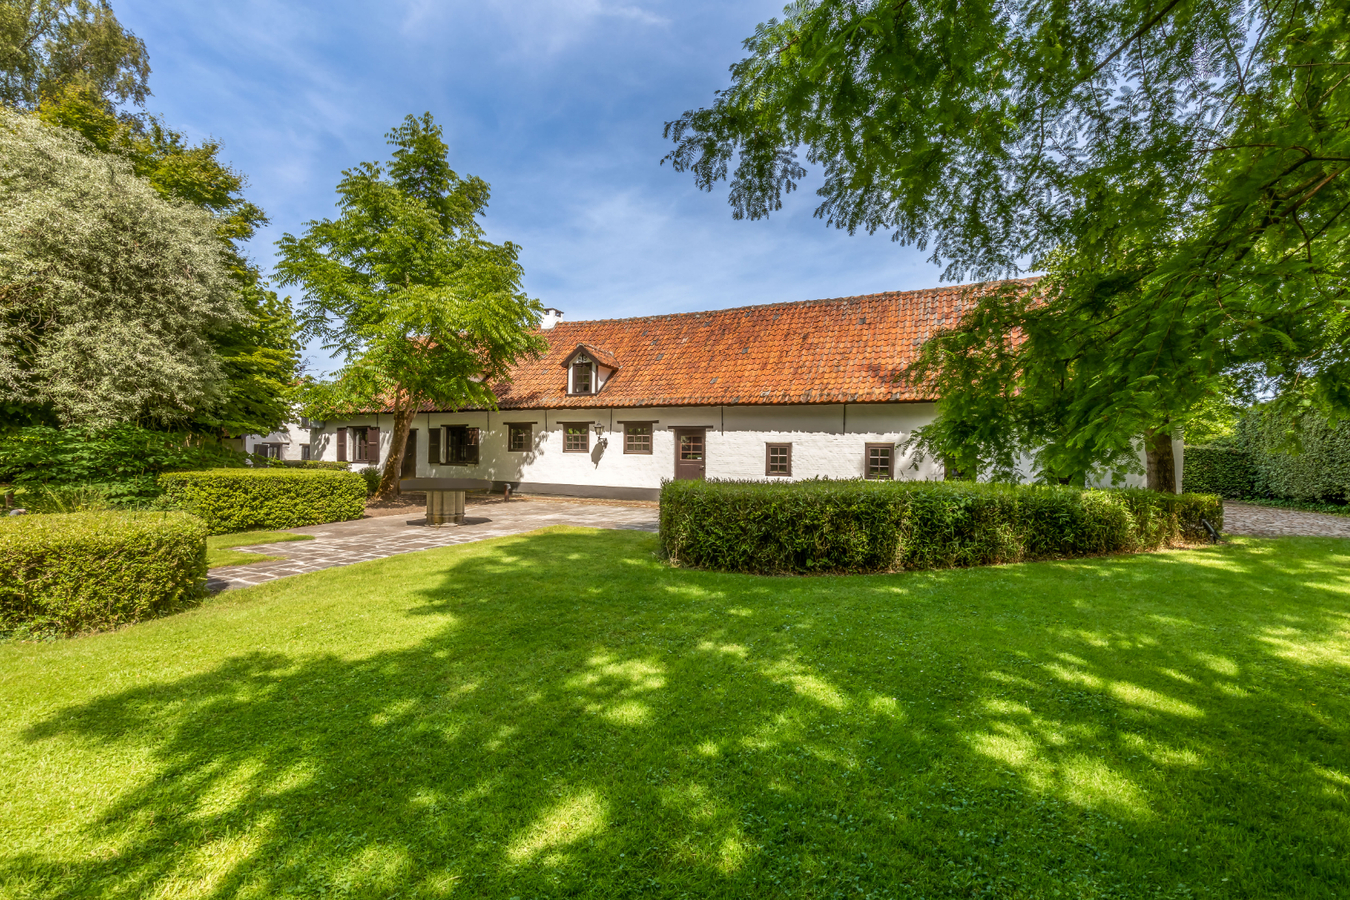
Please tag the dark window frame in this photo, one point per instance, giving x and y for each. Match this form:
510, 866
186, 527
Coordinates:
449, 445
305, 452
768, 460
585, 430
359, 435
592, 376
512, 429
867, 462
650, 436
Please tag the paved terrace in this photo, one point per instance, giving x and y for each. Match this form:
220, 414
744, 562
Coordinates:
344, 543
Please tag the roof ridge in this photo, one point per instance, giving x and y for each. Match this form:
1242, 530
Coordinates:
757, 306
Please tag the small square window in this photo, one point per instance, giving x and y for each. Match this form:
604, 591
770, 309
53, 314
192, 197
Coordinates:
880, 462
520, 437
637, 437
778, 459
577, 438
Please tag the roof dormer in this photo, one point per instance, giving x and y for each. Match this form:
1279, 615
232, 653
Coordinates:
588, 369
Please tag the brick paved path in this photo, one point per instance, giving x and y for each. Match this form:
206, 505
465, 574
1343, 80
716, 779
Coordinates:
344, 543
1270, 521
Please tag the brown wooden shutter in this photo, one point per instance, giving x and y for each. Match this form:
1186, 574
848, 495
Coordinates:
373, 445
409, 467
342, 444
433, 446
471, 451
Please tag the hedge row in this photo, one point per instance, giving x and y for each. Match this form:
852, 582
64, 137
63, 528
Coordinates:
63, 574
860, 526
1226, 471
231, 500
1257, 462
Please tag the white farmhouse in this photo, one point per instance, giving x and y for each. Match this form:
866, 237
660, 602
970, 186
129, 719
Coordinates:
783, 391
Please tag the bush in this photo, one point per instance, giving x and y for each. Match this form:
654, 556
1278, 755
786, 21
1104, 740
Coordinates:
315, 464
860, 526
372, 477
119, 463
1226, 471
62, 574
1317, 471
232, 500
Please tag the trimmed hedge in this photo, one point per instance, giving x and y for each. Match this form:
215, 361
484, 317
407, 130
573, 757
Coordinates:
1226, 471
1319, 473
231, 500
63, 574
862, 526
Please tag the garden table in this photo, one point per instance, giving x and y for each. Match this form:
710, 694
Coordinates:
445, 496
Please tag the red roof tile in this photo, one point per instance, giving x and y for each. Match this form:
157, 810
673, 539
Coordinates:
817, 351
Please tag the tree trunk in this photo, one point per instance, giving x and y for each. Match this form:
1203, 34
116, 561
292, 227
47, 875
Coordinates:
398, 444
1160, 463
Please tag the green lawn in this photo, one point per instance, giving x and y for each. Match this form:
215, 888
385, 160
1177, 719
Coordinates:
560, 715
220, 547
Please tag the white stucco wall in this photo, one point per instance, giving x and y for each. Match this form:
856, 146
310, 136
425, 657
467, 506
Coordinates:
827, 440
291, 437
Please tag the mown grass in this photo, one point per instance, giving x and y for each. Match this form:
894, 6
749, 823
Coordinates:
560, 714
220, 547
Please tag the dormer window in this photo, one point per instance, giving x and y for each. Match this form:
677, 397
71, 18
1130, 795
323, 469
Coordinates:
583, 375
588, 370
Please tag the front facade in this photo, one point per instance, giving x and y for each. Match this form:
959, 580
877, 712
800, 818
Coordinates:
776, 392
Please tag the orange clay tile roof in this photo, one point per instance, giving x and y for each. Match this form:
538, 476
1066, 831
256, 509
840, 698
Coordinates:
817, 351
595, 353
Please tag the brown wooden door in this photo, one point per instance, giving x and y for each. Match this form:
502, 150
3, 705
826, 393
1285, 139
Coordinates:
691, 453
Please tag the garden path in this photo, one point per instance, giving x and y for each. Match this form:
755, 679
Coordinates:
1271, 521
344, 543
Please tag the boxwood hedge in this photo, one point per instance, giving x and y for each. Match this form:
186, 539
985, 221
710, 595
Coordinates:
1226, 471
860, 526
63, 574
232, 500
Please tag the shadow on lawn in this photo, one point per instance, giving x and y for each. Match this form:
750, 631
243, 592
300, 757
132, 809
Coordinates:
600, 725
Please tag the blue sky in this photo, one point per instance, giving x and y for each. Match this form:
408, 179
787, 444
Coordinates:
558, 104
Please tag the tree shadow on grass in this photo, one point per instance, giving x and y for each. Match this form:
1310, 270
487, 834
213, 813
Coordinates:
596, 724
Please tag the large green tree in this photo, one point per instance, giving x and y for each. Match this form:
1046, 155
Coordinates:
49, 45
80, 69
110, 295
1176, 168
406, 287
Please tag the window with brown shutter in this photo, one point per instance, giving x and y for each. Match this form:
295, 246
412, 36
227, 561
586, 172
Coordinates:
461, 445
341, 444
373, 446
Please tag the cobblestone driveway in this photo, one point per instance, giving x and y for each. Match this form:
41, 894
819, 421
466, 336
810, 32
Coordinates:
1270, 521
344, 543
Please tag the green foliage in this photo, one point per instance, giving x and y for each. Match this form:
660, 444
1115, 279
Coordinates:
64, 574
112, 296
372, 476
1178, 171
861, 526
231, 500
406, 287
118, 464
314, 464
259, 355
49, 45
1296, 457
1226, 471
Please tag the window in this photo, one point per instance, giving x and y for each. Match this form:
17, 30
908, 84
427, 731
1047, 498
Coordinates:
304, 421
577, 437
267, 451
304, 451
880, 462
777, 459
360, 445
461, 445
582, 375
519, 437
637, 437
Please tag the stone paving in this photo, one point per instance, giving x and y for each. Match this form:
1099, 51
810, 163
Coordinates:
344, 543
1271, 521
